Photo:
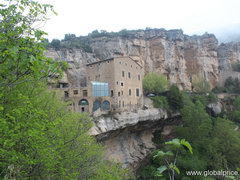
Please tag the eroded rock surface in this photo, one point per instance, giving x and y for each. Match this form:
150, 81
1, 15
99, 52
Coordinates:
180, 57
127, 136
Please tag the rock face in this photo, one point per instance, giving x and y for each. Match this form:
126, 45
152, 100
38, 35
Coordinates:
228, 56
127, 136
77, 60
180, 57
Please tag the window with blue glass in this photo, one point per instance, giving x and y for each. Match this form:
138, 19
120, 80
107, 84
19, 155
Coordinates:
100, 89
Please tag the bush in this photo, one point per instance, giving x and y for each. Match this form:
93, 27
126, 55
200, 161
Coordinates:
56, 44
174, 97
211, 98
155, 83
219, 89
160, 102
232, 85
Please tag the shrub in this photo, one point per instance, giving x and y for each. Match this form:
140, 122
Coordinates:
154, 83
232, 85
174, 97
56, 44
160, 102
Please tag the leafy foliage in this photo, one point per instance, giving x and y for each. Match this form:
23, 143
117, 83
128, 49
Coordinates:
232, 85
39, 137
175, 98
21, 48
169, 158
160, 102
234, 115
154, 83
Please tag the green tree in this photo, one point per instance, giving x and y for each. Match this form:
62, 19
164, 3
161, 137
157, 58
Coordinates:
160, 102
39, 137
235, 114
56, 44
154, 83
21, 50
174, 97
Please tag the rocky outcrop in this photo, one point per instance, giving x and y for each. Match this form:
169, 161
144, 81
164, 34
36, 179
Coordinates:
127, 136
228, 57
104, 124
180, 57
77, 59
228, 54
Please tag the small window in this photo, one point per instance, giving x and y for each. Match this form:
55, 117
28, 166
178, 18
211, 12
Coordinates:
137, 92
75, 91
119, 94
139, 77
120, 63
123, 103
129, 75
85, 93
122, 92
108, 61
131, 66
117, 82
119, 103
121, 83
129, 92
66, 94
123, 74
111, 93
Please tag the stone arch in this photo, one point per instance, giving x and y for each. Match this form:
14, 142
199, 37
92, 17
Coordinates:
106, 105
96, 105
83, 105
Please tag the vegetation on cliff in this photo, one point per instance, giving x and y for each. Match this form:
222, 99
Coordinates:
215, 140
39, 137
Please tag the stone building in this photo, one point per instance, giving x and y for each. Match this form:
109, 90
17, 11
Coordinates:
112, 85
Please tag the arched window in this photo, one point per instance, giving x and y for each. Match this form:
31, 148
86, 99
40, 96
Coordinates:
106, 105
83, 102
96, 105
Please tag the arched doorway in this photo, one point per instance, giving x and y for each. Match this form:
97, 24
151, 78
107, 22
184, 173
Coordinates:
96, 105
84, 105
106, 105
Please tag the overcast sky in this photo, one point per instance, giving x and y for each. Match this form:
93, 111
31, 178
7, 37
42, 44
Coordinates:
192, 16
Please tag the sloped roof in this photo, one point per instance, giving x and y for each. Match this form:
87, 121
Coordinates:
110, 59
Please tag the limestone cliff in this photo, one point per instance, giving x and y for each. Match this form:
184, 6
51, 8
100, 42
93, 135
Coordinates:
228, 56
127, 136
180, 57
